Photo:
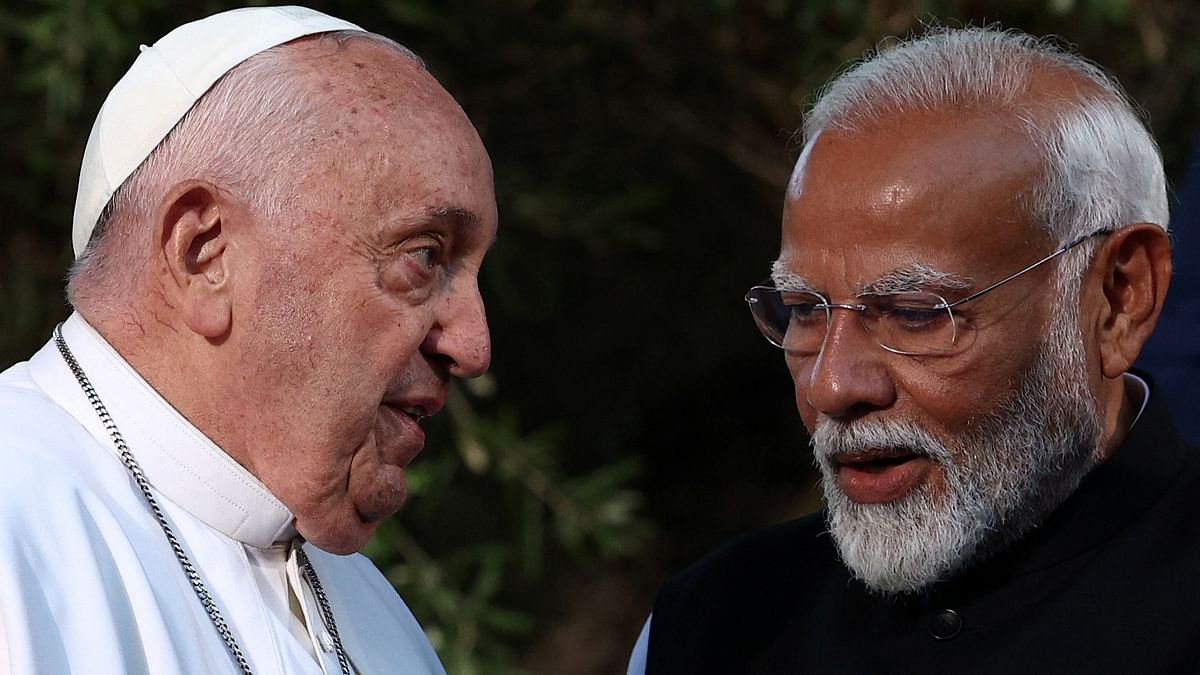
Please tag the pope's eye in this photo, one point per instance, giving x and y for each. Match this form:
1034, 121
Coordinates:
414, 264
425, 256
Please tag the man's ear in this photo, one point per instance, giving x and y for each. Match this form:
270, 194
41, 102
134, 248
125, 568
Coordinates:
192, 241
1135, 264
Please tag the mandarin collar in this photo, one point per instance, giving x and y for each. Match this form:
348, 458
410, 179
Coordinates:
184, 466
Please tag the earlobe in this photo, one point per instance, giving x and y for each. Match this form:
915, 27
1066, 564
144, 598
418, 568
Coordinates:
193, 247
1136, 265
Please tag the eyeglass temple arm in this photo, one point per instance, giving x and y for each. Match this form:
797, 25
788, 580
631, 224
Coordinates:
1075, 242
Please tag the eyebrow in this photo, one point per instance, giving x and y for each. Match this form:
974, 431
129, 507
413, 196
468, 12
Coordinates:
453, 215
915, 277
907, 279
462, 218
787, 280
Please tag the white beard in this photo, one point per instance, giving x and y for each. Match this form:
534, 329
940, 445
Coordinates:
1002, 479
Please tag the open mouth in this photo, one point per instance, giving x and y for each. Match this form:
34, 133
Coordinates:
416, 412
880, 476
406, 423
878, 464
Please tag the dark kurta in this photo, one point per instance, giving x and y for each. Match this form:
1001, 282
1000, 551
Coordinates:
1109, 584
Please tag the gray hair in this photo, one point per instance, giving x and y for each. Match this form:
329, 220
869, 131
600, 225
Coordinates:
1102, 167
238, 135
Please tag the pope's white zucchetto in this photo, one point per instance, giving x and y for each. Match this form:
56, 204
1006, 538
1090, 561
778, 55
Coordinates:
163, 84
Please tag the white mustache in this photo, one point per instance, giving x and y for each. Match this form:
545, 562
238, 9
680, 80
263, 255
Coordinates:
833, 437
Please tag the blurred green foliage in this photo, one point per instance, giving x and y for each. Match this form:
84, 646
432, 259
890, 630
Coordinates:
504, 487
634, 417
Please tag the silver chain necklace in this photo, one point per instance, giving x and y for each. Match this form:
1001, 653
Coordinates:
189, 570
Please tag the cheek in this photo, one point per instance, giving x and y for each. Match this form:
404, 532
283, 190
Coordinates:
954, 391
949, 400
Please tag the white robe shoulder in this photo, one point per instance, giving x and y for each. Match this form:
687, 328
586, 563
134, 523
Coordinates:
89, 584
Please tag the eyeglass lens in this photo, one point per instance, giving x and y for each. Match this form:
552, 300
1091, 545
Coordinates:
916, 323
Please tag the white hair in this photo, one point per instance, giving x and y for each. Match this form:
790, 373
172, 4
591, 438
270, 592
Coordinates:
248, 134
1102, 168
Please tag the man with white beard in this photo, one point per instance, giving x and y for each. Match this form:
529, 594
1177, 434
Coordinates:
973, 253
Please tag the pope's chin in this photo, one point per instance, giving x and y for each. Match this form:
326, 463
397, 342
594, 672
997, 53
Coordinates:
366, 504
379, 495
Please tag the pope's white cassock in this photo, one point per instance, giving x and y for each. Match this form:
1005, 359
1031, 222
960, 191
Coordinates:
88, 582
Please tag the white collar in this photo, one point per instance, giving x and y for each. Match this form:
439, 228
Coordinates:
182, 464
1144, 387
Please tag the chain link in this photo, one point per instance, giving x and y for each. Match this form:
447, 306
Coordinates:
189, 570
326, 610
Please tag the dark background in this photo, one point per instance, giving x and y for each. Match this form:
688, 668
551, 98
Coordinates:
634, 417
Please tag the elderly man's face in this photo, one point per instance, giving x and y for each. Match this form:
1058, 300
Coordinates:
364, 301
930, 460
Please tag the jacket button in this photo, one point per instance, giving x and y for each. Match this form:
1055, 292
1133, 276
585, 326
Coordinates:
945, 624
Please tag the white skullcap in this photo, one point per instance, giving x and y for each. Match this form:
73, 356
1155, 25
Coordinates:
163, 84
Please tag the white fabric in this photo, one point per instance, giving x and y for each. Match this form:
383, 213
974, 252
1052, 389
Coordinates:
1142, 387
164, 82
637, 659
88, 583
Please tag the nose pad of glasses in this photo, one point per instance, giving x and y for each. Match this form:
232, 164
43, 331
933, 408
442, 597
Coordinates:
831, 320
